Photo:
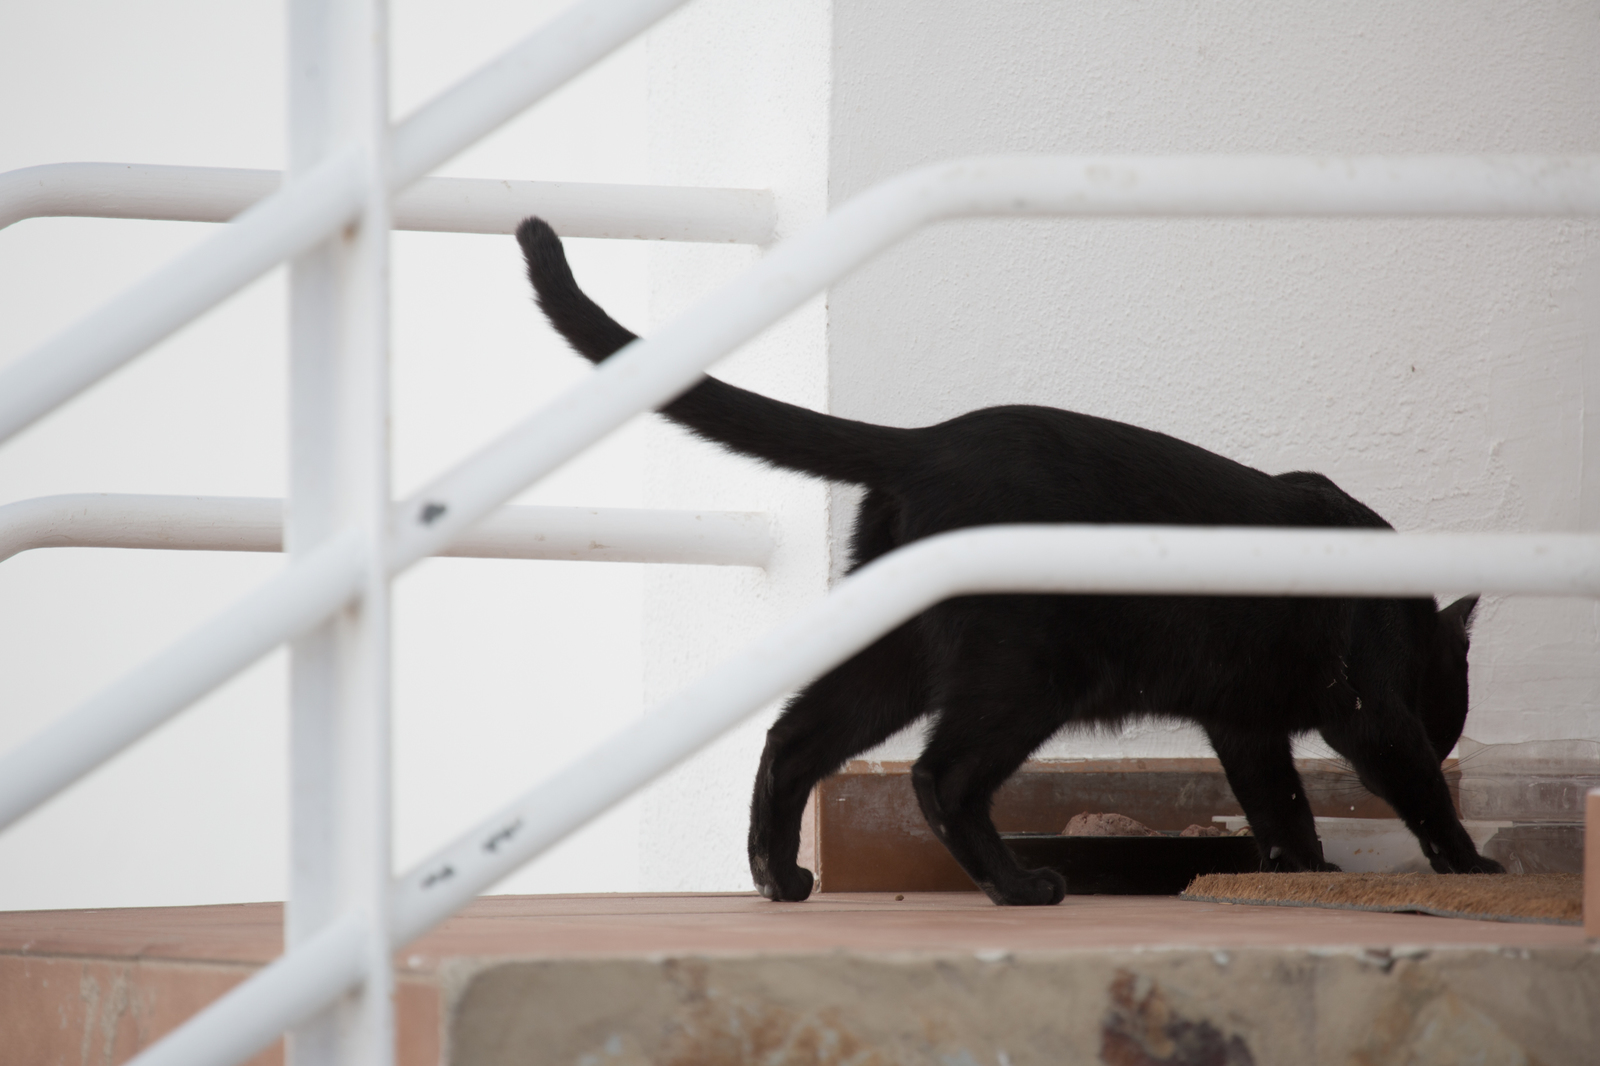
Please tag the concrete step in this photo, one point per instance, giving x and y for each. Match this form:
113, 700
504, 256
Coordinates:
852, 978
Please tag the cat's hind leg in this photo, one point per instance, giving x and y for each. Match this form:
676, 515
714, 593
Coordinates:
1260, 770
996, 709
853, 707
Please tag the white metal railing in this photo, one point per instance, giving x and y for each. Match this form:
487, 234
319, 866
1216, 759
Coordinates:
254, 524
652, 370
332, 597
445, 205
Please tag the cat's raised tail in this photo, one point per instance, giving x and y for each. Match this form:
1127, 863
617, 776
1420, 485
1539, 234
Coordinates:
779, 433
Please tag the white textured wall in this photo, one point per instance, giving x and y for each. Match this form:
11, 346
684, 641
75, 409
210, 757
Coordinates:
1436, 370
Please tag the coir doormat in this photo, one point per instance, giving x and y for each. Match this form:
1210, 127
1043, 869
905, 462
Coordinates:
1551, 898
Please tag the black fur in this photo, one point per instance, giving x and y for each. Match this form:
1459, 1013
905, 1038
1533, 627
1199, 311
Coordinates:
1383, 680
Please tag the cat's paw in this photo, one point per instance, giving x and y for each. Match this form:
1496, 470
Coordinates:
1286, 861
1465, 861
789, 886
1028, 888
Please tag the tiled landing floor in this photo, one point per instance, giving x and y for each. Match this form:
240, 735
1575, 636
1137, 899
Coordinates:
598, 925
103, 984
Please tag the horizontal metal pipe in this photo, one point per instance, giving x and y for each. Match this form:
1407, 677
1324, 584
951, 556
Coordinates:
296, 217
995, 559
445, 205
224, 523
621, 535
106, 520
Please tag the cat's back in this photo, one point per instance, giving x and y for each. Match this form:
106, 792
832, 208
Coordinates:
1044, 464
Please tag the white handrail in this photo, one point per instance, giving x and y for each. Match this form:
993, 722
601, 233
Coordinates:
994, 559
107, 520
651, 371
255, 524
302, 213
445, 205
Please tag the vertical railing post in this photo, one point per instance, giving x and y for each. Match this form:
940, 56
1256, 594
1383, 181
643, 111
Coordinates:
339, 479
310, 518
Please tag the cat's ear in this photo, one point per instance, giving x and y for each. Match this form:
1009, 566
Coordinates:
1458, 617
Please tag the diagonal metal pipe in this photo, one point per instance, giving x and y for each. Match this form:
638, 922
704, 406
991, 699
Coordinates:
290, 990
296, 600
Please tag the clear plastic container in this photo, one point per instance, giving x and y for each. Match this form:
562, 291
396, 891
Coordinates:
1535, 782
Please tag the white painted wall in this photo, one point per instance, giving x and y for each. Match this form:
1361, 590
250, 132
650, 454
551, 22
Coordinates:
1437, 370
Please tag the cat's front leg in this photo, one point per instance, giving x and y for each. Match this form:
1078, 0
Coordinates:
1391, 753
1260, 770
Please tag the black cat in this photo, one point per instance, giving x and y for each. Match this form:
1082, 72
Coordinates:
1383, 680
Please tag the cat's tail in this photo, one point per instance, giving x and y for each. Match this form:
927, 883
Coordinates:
782, 434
